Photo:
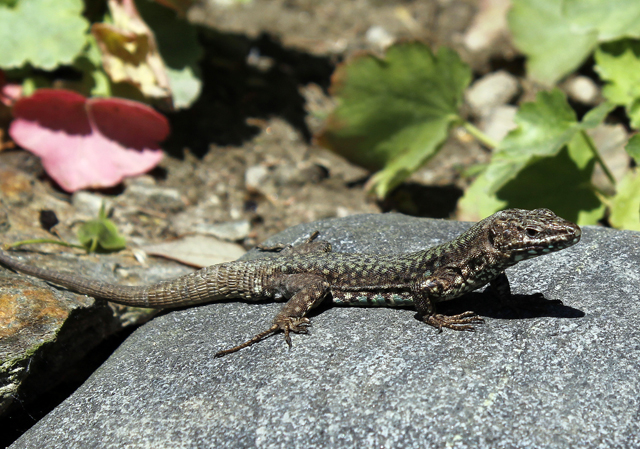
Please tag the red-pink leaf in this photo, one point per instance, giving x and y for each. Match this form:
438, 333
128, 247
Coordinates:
55, 110
88, 143
131, 123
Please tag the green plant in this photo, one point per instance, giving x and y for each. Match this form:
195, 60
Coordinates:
98, 235
393, 115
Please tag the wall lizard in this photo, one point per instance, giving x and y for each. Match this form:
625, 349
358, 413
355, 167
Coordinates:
306, 274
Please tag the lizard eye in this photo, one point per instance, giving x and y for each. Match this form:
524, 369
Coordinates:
532, 232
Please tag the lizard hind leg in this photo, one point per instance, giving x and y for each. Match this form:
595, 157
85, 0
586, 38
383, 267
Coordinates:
296, 325
306, 292
261, 336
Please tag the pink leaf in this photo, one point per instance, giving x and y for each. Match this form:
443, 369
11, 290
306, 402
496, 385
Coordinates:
91, 143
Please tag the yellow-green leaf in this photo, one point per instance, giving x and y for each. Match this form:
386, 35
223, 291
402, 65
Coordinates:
625, 205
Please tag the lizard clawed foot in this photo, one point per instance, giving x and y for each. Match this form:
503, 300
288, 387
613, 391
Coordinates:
287, 325
295, 325
460, 322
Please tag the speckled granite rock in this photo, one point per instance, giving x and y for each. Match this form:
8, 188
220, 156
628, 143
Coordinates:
567, 377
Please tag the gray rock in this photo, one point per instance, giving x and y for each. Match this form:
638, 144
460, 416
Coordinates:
610, 140
582, 89
255, 176
563, 377
379, 37
499, 122
231, 231
152, 197
490, 91
89, 204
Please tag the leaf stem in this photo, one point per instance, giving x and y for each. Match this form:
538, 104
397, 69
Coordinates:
482, 137
596, 154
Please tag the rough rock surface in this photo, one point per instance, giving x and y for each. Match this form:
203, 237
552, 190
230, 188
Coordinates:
563, 377
44, 330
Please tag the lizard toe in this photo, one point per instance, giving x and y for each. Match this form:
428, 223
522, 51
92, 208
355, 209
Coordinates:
461, 322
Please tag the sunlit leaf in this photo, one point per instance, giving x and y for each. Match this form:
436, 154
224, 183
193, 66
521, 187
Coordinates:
545, 162
558, 35
633, 148
625, 205
618, 63
394, 113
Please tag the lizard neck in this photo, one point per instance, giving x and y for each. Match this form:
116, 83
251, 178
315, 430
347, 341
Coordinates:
468, 261
472, 249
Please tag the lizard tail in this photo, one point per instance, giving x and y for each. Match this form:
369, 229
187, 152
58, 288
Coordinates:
205, 285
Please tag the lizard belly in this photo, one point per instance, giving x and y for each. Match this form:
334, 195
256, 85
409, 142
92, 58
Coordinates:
370, 298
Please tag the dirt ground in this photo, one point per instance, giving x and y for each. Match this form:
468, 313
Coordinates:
247, 148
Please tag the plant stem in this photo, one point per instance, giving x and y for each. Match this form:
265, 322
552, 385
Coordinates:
482, 137
29, 242
596, 154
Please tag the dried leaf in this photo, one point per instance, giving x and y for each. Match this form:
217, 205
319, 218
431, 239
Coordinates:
130, 52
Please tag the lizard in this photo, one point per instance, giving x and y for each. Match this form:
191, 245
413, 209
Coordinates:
306, 274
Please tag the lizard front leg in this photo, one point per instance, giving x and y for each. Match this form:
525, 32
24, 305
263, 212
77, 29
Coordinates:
306, 292
435, 289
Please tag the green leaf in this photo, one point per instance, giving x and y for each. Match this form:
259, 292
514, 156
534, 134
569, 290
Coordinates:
559, 183
633, 148
618, 63
597, 115
478, 202
95, 82
544, 127
43, 33
543, 32
612, 18
178, 44
544, 162
100, 234
558, 35
394, 113
625, 205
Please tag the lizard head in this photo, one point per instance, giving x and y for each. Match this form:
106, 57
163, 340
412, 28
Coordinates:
522, 234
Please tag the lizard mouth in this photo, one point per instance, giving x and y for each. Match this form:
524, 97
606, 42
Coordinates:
557, 242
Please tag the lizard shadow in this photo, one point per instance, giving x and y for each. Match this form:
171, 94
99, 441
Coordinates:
485, 304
